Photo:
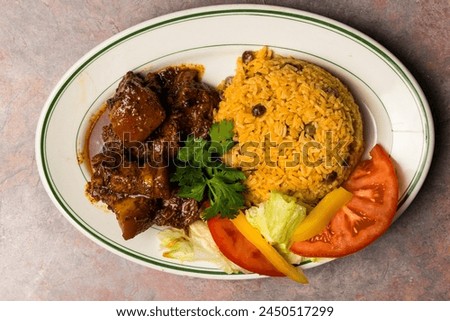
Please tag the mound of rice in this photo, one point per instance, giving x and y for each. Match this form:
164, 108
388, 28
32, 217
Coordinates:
298, 128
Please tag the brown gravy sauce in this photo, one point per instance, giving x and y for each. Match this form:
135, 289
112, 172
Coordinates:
93, 141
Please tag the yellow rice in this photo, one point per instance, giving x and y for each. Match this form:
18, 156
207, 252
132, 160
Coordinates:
309, 138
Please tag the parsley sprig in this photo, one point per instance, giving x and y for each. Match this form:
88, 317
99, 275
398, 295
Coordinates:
201, 172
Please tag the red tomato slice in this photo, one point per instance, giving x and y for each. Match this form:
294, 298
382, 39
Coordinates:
369, 213
238, 249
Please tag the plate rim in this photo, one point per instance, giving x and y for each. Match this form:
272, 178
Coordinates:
217, 10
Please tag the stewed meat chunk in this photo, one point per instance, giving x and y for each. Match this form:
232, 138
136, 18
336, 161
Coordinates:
178, 212
116, 177
190, 98
135, 214
131, 191
135, 110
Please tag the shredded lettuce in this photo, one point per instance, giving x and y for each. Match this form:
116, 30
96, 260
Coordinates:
177, 244
277, 219
197, 246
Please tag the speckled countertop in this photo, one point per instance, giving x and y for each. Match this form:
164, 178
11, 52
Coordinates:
43, 257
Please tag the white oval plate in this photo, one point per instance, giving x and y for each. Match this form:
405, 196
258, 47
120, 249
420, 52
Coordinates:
395, 110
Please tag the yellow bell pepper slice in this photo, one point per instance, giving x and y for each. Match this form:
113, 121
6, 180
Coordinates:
320, 216
255, 237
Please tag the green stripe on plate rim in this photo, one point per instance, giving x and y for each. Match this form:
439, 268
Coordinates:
201, 15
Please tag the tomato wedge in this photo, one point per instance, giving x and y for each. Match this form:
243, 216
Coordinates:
369, 213
238, 249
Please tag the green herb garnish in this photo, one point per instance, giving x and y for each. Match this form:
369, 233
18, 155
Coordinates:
200, 170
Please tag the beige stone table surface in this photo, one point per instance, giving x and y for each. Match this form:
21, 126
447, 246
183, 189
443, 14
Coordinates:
43, 257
